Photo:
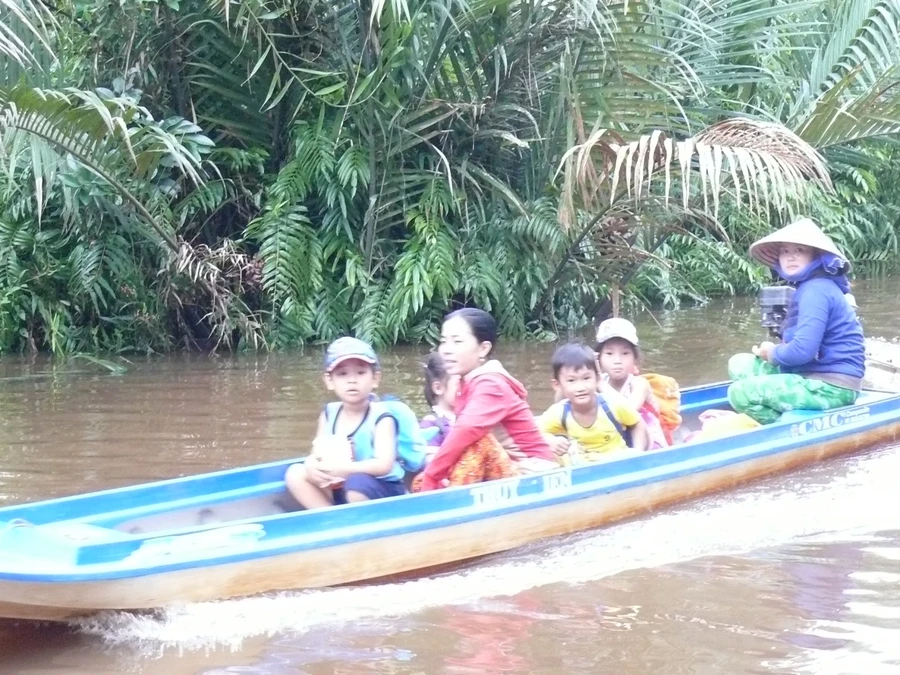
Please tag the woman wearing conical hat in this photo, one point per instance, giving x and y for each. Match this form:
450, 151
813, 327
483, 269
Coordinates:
820, 362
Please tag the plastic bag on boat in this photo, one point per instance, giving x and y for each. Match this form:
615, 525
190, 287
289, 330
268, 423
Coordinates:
721, 424
333, 448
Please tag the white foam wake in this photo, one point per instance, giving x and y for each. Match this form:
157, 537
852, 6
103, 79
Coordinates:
837, 499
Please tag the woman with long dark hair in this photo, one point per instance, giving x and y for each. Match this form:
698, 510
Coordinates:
489, 401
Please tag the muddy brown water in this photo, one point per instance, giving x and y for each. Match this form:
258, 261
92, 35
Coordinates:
797, 574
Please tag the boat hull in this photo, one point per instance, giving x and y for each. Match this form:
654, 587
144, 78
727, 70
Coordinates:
426, 547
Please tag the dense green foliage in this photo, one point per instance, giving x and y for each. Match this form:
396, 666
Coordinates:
268, 172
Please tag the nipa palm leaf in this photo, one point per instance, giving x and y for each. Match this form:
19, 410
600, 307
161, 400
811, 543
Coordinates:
763, 160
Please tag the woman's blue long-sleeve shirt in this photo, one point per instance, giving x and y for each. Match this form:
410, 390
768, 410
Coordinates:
822, 332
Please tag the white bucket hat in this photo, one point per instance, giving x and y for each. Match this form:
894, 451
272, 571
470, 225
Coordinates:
803, 231
617, 328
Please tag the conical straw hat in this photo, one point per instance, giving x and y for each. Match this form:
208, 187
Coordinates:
803, 231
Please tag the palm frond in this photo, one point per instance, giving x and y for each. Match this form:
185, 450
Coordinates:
25, 35
666, 63
762, 161
853, 87
862, 44
111, 136
291, 253
840, 118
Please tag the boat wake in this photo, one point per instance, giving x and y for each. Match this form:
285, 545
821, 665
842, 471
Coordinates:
839, 498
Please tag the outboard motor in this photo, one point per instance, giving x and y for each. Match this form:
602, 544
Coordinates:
773, 303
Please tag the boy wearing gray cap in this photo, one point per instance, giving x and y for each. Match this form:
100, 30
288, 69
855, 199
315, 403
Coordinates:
354, 455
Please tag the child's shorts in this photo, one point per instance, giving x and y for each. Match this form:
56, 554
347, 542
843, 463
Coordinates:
370, 486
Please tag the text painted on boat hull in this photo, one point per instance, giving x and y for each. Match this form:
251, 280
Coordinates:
832, 421
497, 493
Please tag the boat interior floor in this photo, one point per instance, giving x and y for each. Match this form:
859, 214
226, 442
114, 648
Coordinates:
260, 506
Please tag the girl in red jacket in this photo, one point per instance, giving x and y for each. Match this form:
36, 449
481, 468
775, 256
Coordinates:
489, 401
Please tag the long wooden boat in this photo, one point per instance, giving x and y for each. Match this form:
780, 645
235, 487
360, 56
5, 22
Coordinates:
237, 532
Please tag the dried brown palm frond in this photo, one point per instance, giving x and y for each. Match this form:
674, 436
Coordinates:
628, 237
218, 279
764, 162
622, 244
618, 239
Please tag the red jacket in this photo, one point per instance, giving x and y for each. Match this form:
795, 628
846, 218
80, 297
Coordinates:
490, 400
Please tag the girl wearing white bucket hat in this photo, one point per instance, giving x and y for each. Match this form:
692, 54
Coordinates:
820, 362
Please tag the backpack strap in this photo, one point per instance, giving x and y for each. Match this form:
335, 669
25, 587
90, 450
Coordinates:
331, 414
601, 400
412, 445
623, 432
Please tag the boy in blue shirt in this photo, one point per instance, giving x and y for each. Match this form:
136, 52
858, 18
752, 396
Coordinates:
354, 455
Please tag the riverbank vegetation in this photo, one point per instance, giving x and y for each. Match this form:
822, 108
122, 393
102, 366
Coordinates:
210, 173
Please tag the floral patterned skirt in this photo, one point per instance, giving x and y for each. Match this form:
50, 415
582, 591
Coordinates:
484, 460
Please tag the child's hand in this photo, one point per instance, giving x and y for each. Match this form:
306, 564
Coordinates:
325, 480
337, 469
559, 445
317, 475
764, 350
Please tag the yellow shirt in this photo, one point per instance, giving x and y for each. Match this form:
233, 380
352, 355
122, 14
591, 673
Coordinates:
601, 436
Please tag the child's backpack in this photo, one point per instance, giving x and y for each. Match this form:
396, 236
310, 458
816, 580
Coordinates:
668, 395
412, 442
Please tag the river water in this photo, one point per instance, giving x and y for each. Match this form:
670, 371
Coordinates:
797, 574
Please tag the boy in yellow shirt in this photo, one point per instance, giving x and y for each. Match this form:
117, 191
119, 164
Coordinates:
599, 423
